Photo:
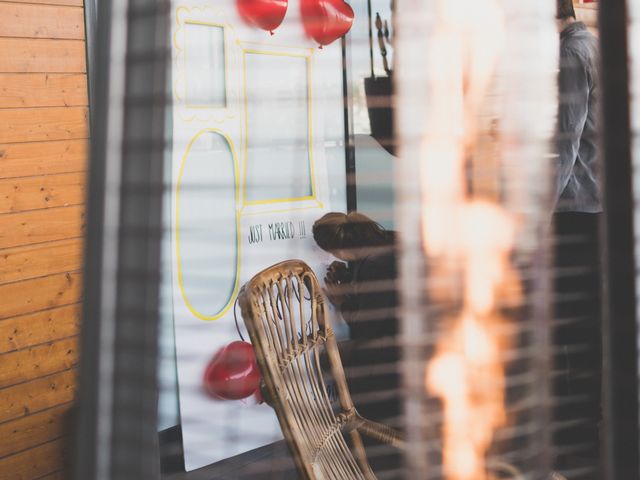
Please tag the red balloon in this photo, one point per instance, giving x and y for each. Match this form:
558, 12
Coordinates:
326, 20
232, 374
264, 14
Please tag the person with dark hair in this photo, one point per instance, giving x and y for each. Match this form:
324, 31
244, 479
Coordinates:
577, 332
364, 290
565, 9
369, 252
344, 231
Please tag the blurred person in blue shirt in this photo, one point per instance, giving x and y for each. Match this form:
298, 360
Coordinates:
577, 203
577, 185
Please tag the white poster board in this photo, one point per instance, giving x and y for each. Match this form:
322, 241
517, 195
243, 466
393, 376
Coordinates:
258, 156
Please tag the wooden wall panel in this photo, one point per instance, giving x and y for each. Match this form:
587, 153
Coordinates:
42, 158
73, 3
24, 331
61, 475
41, 21
36, 362
38, 294
37, 395
22, 263
46, 191
35, 463
20, 434
41, 226
20, 90
35, 55
43, 124
43, 161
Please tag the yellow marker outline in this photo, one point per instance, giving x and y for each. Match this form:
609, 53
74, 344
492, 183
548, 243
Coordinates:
236, 286
190, 113
307, 57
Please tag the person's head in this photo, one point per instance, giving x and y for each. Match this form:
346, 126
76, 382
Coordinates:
565, 13
347, 236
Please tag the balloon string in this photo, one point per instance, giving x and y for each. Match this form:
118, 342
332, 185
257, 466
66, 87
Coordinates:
235, 318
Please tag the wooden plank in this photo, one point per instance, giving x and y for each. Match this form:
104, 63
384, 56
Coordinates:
37, 328
41, 21
18, 90
22, 433
36, 362
43, 124
22, 263
73, 3
32, 296
47, 191
38, 395
40, 226
29, 159
59, 475
33, 55
36, 462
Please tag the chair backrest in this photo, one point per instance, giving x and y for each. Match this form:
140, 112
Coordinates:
284, 311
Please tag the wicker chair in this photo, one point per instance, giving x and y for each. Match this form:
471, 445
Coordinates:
284, 311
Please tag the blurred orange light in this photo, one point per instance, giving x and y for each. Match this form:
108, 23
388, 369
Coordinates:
468, 238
